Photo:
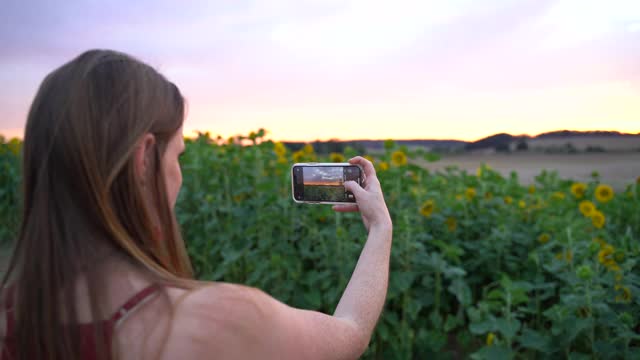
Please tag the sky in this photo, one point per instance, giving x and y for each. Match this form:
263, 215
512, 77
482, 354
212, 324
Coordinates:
326, 175
351, 69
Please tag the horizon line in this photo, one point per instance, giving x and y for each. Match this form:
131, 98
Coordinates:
11, 134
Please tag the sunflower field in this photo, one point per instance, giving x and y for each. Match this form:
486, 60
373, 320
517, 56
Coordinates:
483, 267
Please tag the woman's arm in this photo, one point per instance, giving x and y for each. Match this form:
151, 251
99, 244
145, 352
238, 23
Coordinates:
364, 296
236, 322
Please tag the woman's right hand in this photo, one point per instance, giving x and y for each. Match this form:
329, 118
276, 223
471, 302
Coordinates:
369, 199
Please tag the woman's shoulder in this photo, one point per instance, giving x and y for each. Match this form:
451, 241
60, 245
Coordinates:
218, 318
218, 299
240, 322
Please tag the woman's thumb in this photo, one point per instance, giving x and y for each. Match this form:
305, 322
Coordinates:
354, 188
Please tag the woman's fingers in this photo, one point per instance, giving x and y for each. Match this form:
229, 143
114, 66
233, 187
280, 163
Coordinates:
346, 208
367, 166
354, 188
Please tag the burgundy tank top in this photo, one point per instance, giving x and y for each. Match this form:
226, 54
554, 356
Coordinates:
88, 341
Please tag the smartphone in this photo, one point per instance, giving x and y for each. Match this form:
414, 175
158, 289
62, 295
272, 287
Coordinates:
323, 183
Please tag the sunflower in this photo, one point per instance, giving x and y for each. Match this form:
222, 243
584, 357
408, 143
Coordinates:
625, 294
565, 255
598, 219
522, 204
470, 193
532, 189
606, 258
308, 149
600, 242
427, 208
544, 238
604, 193
238, 198
336, 157
614, 267
491, 337
482, 170
452, 224
369, 157
298, 156
605, 253
508, 200
399, 158
488, 195
15, 146
578, 190
280, 149
282, 160
383, 166
558, 195
587, 208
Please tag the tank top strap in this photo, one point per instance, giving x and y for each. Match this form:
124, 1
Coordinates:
133, 304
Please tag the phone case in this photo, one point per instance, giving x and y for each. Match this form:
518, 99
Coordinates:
362, 179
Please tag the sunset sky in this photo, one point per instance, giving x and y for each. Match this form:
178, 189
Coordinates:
351, 69
326, 175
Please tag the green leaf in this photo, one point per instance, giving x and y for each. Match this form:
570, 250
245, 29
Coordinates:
508, 328
607, 350
569, 328
493, 353
452, 272
400, 281
452, 322
533, 340
436, 320
461, 290
482, 327
579, 356
435, 340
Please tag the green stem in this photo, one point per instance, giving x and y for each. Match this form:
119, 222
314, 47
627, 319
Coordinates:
509, 316
592, 334
538, 305
570, 251
438, 291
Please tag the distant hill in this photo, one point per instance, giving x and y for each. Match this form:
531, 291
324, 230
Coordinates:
432, 144
361, 145
499, 142
558, 140
568, 133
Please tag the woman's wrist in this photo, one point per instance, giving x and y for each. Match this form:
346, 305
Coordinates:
381, 227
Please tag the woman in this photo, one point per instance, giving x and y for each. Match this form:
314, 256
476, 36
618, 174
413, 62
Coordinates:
100, 269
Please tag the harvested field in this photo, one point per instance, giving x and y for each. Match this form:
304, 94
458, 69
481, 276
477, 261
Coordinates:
616, 169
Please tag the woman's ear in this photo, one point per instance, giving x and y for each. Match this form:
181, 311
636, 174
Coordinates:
143, 157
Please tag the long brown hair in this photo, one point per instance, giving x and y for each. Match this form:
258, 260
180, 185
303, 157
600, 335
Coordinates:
82, 201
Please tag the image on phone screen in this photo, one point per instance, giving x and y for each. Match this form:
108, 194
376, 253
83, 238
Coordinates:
326, 183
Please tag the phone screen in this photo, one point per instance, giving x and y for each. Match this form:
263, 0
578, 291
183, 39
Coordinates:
324, 183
